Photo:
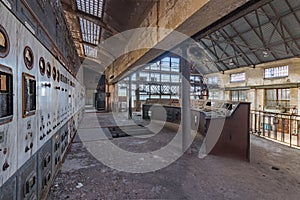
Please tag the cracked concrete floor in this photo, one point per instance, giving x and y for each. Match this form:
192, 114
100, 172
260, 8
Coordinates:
273, 173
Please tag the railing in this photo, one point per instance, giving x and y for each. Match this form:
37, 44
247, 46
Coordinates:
281, 127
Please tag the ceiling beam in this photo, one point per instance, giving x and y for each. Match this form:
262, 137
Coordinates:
238, 13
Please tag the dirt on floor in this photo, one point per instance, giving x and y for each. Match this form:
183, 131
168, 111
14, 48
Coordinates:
273, 172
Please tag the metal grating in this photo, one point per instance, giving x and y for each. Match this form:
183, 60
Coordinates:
93, 7
90, 31
89, 51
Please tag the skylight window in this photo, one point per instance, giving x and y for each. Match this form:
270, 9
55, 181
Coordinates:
93, 7
90, 51
90, 31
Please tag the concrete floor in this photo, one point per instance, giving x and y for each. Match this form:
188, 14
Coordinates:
273, 173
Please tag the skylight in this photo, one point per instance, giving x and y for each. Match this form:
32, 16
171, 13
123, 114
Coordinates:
90, 31
93, 7
90, 51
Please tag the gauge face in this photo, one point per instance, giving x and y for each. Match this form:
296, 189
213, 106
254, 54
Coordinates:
58, 76
28, 57
54, 73
48, 71
42, 66
4, 43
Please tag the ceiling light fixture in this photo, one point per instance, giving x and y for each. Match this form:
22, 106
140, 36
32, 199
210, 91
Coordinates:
266, 53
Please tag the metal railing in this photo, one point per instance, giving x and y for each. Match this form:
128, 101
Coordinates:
281, 127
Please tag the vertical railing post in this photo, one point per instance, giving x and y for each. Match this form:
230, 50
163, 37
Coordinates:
291, 128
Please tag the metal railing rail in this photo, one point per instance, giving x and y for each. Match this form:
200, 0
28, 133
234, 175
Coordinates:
281, 127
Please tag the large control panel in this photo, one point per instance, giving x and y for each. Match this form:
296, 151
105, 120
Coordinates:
42, 104
224, 124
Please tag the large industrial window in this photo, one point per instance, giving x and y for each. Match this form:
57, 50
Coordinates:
6, 95
29, 95
277, 72
212, 80
277, 99
238, 95
239, 77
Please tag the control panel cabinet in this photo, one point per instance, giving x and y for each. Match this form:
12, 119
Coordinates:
8, 96
27, 184
44, 170
9, 190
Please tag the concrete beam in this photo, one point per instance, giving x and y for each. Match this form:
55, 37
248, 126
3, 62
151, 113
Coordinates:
188, 17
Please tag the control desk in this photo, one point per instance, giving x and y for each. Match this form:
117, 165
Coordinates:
224, 125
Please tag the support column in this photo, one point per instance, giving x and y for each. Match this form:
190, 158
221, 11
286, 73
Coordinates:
185, 100
130, 98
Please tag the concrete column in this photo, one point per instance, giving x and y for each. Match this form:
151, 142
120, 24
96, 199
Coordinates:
185, 101
130, 98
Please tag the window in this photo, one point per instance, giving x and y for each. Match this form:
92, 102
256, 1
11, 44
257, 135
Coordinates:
94, 7
212, 80
165, 64
175, 64
155, 66
277, 72
238, 95
29, 95
90, 31
277, 98
6, 95
239, 77
195, 79
28, 57
213, 95
175, 78
4, 43
165, 78
155, 77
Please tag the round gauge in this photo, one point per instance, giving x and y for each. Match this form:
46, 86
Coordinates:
48, 70
42, 66
54, 73
58, 76
4, 43
28, 57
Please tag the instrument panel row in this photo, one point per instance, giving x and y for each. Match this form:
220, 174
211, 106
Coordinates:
41, 106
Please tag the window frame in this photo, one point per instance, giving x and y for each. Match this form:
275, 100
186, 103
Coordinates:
31, 112
237, 81
277, 68
239, 95
277, 100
